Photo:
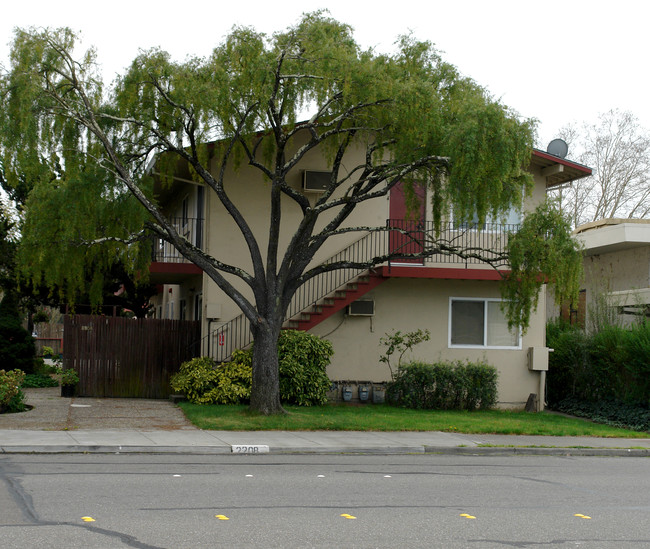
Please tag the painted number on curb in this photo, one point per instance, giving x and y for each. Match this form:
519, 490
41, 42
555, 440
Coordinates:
250, 449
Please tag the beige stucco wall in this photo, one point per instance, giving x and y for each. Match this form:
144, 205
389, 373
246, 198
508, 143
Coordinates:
409, 304
620, 270
626, 271
250, 193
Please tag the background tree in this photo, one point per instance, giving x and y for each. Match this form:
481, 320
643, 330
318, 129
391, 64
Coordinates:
617, 148
89, 277
16, 344
417, 119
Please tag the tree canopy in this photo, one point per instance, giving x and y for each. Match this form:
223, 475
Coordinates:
617, 147
87, 150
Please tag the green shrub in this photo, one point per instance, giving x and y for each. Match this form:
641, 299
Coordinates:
38, 380
445, 386
611, 364
16, 344
12, 399
203, 382
614, 413
568, 364
40, 367
47, 352
303, 361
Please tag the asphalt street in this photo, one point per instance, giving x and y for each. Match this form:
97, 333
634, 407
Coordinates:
153, 501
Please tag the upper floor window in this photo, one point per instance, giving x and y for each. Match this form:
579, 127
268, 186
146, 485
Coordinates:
513, 216
480, 322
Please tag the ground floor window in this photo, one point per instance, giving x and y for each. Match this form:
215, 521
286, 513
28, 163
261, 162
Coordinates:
479, 322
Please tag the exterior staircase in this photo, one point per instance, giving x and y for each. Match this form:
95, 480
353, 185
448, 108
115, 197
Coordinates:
335, 302
316, 300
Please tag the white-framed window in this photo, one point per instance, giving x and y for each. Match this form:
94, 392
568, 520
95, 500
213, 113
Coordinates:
513, 216
480, 323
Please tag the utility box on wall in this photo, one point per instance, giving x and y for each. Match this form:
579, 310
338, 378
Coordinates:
538, 358
213, 311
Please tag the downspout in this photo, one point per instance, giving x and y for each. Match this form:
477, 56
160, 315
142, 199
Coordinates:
542, 391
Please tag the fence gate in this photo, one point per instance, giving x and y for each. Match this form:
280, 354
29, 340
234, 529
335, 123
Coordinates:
122, 357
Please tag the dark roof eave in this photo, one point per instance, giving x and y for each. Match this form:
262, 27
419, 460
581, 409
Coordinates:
569, 170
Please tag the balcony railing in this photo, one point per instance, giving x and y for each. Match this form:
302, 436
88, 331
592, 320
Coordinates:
191, 228
476, 243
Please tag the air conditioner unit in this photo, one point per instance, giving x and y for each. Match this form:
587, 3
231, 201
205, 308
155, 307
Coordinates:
361, 308
315, 182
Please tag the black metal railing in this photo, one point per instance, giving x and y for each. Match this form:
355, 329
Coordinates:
223, 341
189, 227
409, 238
477, 243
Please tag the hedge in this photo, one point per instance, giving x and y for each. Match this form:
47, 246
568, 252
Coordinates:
445, 386
611, 364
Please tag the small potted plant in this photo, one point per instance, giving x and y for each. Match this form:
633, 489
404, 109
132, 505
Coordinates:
69, 380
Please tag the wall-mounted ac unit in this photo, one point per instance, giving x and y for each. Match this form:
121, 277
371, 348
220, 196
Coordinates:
361, 308
315, 182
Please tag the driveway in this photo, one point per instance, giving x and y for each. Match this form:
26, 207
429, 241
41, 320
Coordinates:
51, 412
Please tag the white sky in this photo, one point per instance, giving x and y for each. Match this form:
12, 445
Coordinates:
553, 60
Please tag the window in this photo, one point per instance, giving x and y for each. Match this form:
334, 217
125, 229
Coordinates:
182, 309
198, 305
512, 217
480, 323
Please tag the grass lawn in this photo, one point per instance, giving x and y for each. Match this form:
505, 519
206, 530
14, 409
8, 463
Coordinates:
373, 417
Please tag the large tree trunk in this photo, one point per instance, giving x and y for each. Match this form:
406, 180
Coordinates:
265, 391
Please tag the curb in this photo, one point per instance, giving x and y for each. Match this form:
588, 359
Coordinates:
405, 450
535, 451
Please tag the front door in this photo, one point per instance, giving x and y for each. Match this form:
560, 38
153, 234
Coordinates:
412, 223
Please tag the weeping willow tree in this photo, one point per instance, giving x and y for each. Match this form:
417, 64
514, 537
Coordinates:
419, 121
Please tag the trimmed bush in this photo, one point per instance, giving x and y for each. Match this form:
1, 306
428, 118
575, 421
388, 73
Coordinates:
303, 363
203, 382
12, 399
303, 380
445, 386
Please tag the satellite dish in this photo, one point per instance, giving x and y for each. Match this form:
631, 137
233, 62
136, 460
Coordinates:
558, 147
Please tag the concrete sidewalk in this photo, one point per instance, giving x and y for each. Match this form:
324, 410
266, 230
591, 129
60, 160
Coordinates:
82, 425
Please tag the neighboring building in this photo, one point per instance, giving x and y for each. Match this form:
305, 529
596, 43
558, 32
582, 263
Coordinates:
458, 301
617, 269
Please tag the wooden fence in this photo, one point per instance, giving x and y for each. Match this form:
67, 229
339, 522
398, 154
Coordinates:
50, 335
122, 357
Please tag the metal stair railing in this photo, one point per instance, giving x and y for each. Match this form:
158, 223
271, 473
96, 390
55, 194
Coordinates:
236, 334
